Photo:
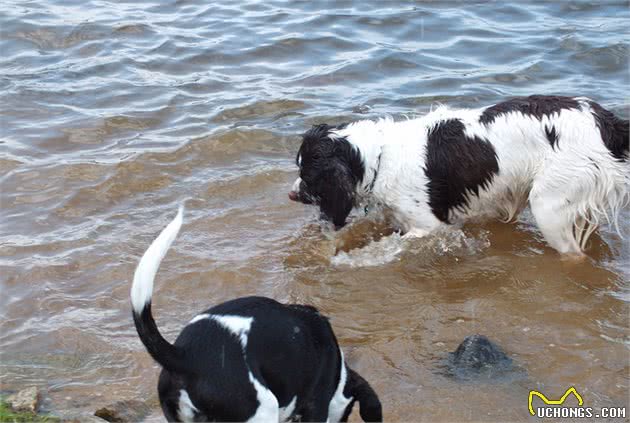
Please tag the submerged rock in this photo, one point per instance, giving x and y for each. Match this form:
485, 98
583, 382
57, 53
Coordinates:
479, 358
25, 400
124, 411
477, 351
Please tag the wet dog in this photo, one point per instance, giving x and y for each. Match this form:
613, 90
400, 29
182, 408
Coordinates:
249, 359
566, 156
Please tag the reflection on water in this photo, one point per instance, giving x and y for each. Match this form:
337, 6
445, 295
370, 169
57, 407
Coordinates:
115, 113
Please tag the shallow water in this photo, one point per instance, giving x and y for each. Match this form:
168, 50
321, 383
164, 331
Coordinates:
113, 114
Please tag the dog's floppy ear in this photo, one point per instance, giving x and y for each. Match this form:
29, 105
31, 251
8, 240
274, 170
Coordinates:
336, 192
370, 407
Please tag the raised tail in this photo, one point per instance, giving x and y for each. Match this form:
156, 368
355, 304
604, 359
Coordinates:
160, 349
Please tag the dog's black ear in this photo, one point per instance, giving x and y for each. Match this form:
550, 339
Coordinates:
370, 407
336, 192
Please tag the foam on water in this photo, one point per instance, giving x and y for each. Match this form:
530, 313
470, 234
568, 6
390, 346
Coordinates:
376, 253
388, 249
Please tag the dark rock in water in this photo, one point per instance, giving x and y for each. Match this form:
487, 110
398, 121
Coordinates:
477, 352
478, 358
124, 411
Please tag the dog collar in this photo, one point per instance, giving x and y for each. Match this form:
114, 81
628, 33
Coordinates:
378, 167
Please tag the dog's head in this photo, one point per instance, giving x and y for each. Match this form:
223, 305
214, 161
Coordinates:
330, 169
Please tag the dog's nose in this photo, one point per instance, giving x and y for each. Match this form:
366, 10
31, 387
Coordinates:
294, 196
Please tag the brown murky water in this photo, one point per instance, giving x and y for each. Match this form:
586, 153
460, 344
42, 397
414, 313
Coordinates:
115, 113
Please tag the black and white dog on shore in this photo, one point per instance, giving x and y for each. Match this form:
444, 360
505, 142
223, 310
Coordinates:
566, 156
249, 359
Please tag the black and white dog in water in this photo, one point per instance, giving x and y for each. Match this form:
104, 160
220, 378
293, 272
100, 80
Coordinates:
249, 359
567, 156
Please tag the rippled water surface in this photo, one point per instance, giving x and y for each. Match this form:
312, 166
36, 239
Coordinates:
113, 113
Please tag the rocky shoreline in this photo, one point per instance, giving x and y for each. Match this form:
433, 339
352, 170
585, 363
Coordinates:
26, 406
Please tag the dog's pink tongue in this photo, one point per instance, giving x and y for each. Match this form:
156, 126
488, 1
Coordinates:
293, 196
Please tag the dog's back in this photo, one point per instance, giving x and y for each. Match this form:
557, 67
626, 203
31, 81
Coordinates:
566, 156
261, 356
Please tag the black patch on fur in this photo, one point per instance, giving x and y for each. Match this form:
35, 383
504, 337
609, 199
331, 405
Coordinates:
552, 136
535, 105
330, 170
456, 166
614, 131
317, 144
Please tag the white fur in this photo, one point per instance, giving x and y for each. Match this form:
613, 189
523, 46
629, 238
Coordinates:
296, 184
568, 194
199, 317
285, 412
268, 408
186, 409
339, 402
239, 326
142, 287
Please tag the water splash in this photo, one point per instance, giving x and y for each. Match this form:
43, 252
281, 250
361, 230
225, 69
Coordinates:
394, 247
376, 253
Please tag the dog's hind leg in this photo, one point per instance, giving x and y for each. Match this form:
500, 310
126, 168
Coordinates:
556, 224
573, 193
556, 200
568, 206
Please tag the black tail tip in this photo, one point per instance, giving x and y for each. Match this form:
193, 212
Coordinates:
370, 408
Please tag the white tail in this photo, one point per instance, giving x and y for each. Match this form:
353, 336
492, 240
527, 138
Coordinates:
142, 287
